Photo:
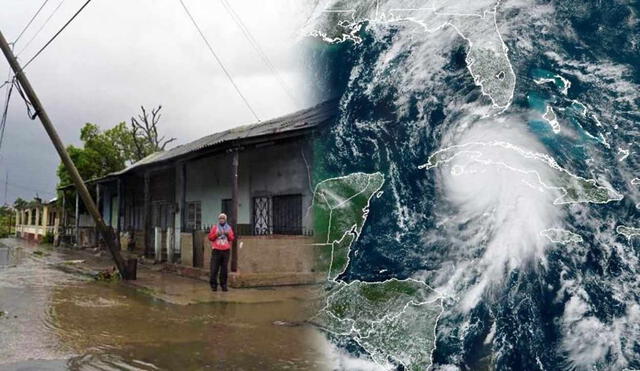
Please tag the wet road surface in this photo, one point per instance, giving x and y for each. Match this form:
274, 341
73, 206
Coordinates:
53, 320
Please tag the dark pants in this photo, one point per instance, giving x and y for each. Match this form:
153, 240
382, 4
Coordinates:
219, 264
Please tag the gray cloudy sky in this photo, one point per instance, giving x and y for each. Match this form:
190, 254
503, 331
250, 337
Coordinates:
120, 54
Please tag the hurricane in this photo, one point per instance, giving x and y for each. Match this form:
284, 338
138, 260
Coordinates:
506, 135
499, 194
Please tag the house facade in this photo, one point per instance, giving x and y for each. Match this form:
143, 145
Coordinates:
38, 219
259, 175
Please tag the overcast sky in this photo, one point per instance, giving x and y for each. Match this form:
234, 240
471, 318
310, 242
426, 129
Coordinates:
120, 54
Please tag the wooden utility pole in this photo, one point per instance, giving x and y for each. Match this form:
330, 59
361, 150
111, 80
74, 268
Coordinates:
234, 210
107, 233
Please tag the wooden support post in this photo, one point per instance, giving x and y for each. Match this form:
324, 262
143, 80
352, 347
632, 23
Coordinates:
169, 245
63, 221
99, 210
98, 198
119, 222
179, 224
183, 196
77, 219
146, 217
234, 210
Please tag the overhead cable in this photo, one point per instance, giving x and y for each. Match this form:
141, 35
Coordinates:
247, 34
30, 21
27, 102
26, 45
56, 35
5, 113
215, 56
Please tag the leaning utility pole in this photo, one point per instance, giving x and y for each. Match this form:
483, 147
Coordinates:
106, 232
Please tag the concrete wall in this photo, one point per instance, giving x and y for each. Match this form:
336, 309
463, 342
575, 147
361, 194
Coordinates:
35, 230
281, 170
186, 249
209, 181
262, 254
271, 170
276, 254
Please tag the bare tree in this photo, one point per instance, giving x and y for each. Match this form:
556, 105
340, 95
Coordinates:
144, 130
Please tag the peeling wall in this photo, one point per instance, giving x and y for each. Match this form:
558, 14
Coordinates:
270, 170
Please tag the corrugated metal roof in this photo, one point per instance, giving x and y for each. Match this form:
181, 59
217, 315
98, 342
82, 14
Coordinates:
303, 119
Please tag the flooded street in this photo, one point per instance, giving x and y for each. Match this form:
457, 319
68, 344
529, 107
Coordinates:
54, 320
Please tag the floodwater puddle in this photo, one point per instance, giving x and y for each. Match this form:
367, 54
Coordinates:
54, 320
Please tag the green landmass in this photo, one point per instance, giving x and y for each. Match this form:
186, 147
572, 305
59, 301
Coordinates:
391, 320
408, 338
340, 210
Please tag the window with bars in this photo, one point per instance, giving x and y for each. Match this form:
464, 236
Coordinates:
287, 214
280, 214
262, 216
194, 215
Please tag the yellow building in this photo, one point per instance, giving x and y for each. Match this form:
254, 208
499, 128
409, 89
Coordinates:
37, 219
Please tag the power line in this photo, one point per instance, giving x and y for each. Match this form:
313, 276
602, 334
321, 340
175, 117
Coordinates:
26, 101
5, 111
246, 102
56, 35
5, 114
247, 34
31, 21
41, 28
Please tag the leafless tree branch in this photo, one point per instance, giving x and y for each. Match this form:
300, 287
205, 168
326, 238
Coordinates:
145, 132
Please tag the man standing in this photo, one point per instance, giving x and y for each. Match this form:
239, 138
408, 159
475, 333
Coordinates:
221, 237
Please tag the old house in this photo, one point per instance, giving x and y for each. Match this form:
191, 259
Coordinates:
38, 219
259, 174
